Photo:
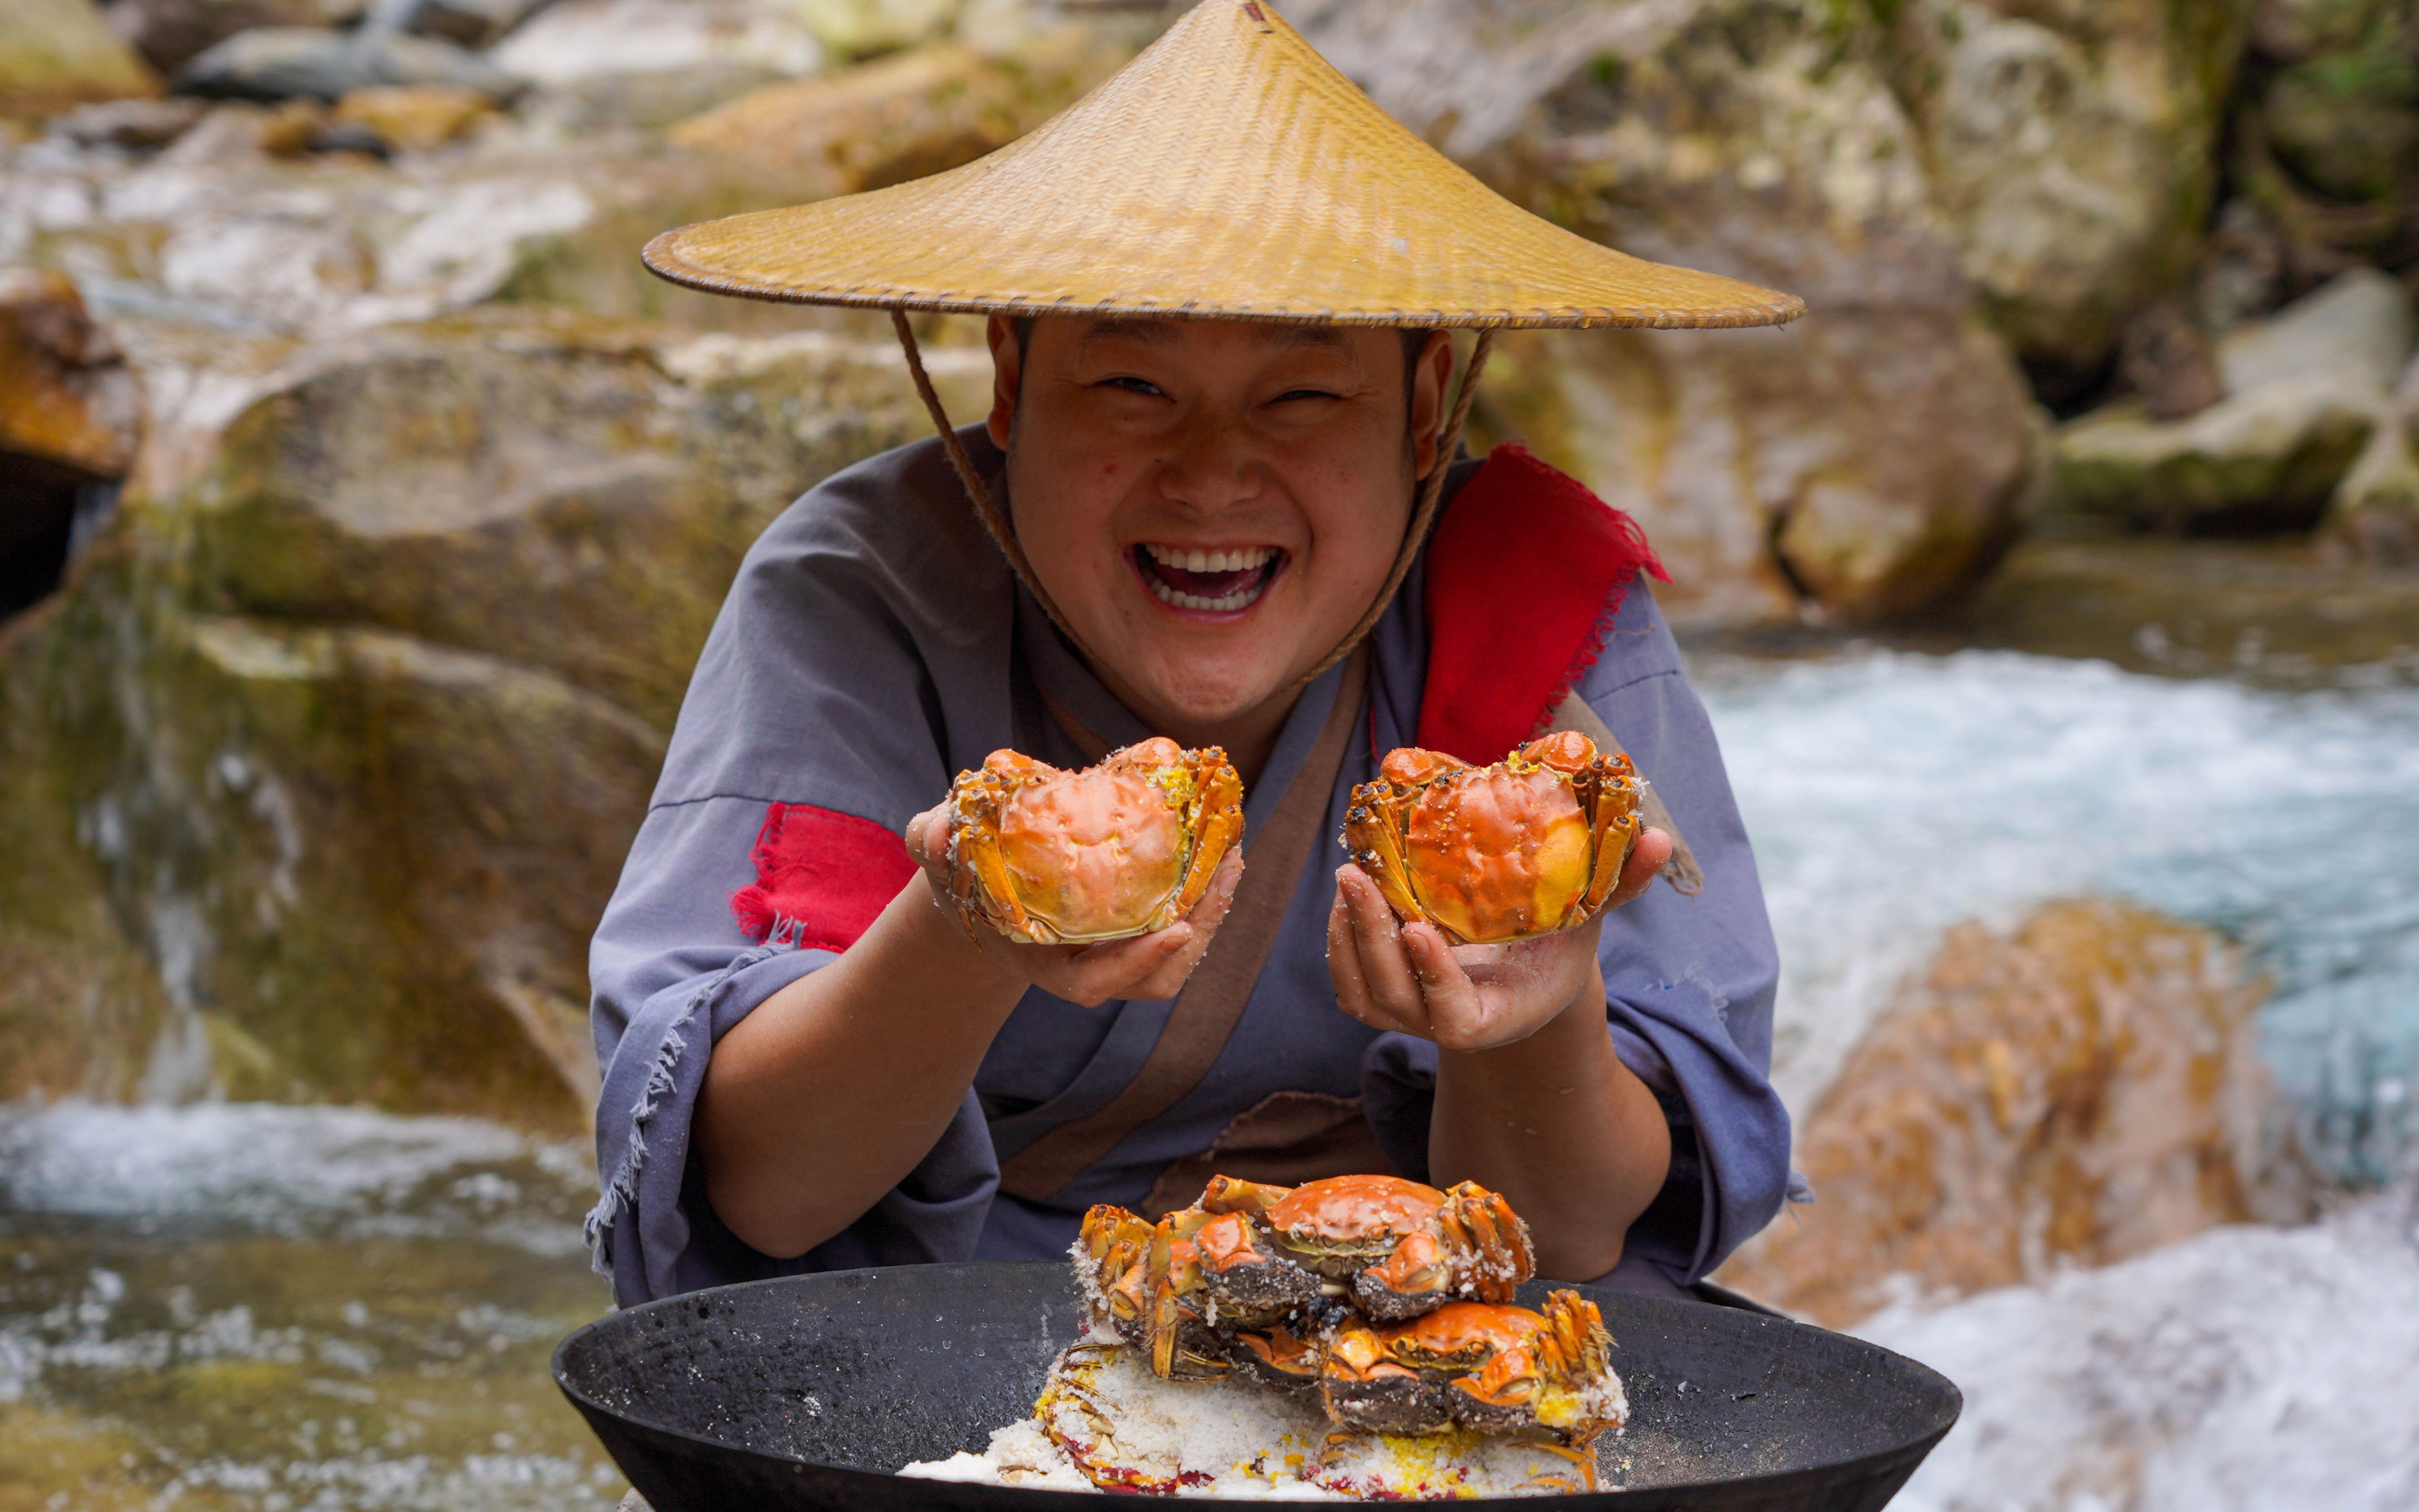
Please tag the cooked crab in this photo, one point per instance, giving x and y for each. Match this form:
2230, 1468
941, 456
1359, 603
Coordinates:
1245, 1274
1400, 1247
1481, 1365
1113, 851
1186, 1292
1527, 847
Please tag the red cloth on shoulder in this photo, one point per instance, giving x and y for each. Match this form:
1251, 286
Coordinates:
1525, 574
821, 878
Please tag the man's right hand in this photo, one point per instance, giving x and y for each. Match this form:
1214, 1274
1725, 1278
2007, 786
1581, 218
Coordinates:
1146, 966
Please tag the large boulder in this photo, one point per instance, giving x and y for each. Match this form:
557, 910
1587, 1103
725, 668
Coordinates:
55, 55
2069, 147
1870, 460
2305, 392
912, 114
355, 709
2081, 1090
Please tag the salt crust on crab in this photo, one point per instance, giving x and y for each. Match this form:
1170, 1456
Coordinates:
1207, 1439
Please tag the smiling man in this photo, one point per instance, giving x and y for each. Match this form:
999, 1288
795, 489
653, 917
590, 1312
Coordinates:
1252, 532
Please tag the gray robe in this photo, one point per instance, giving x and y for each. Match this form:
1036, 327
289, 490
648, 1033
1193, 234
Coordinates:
873, 645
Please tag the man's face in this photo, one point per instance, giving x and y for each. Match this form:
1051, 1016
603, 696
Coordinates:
1211, 503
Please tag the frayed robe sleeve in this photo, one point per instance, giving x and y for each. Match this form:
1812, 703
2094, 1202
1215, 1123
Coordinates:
817, 694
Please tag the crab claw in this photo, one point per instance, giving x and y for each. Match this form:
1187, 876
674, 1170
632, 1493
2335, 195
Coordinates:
1364, 1389
1277, 1357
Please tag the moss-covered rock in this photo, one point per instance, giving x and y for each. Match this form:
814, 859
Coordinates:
2070, 149
348, 721
2307, 389
2346, 124
2266, 460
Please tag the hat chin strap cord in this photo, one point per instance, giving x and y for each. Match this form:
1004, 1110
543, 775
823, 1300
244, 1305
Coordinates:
1002, 534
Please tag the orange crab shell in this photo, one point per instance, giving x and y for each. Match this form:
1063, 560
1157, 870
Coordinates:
1527, 847
1403, 1246
1489, 1366
1116, 850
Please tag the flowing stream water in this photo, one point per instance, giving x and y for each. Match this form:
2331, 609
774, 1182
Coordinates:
269, 1308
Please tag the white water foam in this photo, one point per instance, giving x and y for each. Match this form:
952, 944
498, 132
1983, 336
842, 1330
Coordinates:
1891, 794
268, 1167
2245, 1370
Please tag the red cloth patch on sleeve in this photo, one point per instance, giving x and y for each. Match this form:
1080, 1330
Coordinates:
821, 878
1525, 574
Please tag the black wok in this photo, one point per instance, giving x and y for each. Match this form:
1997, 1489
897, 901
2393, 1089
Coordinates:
805, 1391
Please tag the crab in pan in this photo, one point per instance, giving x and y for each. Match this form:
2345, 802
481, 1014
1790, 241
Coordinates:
1527, 847
1250, 1273
1120, 849
1486, 1367
1162, 1287
1397, 1247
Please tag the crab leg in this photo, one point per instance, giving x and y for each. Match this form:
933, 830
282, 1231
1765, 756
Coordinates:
1370, 833
984, 866
1216, 823
1612, 792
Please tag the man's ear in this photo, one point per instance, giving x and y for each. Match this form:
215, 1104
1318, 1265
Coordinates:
1007, 363
1429, 375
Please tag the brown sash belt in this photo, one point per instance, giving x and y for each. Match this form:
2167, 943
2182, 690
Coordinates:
1206, 1012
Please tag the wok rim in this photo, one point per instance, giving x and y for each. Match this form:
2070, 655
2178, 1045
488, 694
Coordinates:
1917, 1447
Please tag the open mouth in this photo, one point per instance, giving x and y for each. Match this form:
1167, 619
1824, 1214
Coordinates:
1220, 581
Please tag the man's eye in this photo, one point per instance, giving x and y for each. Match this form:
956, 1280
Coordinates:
1291, 394
1133, 385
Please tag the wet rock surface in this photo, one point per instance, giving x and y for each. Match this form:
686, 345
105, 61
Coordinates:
2079, 1090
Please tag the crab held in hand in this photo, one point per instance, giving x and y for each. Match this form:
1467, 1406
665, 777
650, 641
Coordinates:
1527, 847
1482, 1365
1120, 849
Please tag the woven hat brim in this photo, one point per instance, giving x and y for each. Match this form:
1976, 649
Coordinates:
1306, 203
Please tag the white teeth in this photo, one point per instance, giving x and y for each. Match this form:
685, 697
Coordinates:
1242, 559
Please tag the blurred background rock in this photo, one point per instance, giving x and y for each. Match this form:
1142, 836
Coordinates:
363, 504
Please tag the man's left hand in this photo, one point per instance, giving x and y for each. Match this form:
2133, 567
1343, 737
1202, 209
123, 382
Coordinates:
1403, 976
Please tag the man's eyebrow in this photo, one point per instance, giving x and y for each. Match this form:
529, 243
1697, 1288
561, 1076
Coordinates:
1112, 328
1310, 335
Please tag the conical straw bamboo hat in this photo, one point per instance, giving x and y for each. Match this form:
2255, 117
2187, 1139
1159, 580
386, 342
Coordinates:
1228, 172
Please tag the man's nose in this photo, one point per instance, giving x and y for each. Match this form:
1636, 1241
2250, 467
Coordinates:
1211, 465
